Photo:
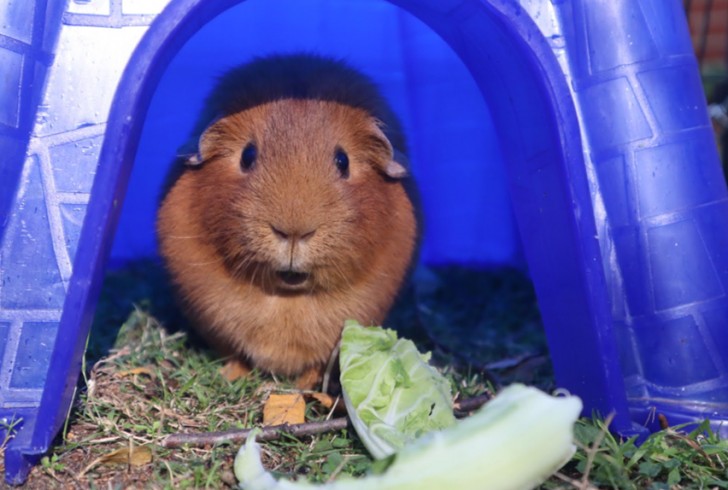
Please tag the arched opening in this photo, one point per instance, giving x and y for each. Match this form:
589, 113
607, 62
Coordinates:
448, 125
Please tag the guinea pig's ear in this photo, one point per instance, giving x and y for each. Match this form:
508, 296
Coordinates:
397, 167
193, 160
207, 145
387, 159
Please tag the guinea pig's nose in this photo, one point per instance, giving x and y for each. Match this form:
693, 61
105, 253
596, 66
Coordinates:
291, 234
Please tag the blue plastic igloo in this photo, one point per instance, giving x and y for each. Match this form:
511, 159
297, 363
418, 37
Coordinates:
589, 114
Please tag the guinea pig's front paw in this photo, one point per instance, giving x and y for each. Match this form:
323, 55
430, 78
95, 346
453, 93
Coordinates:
310, 379
234, 369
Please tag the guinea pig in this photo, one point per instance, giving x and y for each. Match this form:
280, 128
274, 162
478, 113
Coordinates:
295, 214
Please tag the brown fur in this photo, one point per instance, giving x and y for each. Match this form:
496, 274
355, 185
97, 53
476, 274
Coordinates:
355, 236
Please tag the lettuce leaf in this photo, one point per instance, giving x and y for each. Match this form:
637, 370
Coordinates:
392, 394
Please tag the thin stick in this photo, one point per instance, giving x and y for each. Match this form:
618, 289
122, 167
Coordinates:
470, 404
268, 433
591, 453
575, 483
298, 430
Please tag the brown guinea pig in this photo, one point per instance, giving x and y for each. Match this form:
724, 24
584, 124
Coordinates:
295, 215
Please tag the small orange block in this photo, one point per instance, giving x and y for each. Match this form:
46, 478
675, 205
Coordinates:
284, 409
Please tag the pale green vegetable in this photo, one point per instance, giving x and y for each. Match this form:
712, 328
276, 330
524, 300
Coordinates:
514, 442
392, 394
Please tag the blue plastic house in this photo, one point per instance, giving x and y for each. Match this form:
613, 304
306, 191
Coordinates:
599, 117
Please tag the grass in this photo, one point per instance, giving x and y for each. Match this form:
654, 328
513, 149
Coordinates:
148, 377
670, 459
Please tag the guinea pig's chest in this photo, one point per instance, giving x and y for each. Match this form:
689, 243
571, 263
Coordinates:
298, 325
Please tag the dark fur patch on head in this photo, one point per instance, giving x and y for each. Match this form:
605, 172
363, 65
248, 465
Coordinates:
298, 76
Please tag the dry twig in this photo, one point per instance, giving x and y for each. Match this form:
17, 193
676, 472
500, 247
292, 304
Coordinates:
470, 404
267, 433
592, 451
579, 485
298, 430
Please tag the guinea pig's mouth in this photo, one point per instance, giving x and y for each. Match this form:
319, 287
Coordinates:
293, 279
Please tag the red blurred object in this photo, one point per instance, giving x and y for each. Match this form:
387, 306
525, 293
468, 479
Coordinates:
708, 21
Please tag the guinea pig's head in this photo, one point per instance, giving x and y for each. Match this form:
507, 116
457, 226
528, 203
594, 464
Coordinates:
297, 195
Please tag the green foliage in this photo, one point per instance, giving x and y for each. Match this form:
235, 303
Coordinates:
667, 459
52, 464
8, 429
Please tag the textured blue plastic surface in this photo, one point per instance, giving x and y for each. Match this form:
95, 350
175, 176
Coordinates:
594, 108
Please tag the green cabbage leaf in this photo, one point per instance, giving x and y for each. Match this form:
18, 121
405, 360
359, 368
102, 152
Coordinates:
392, 395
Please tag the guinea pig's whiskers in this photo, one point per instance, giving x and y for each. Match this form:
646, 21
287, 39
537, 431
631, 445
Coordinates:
251, 268
339, 275
206, 262
256, 270
186, 237
311, 287
241, 266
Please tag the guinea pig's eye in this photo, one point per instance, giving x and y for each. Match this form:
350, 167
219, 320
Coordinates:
341, 159
250, 154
